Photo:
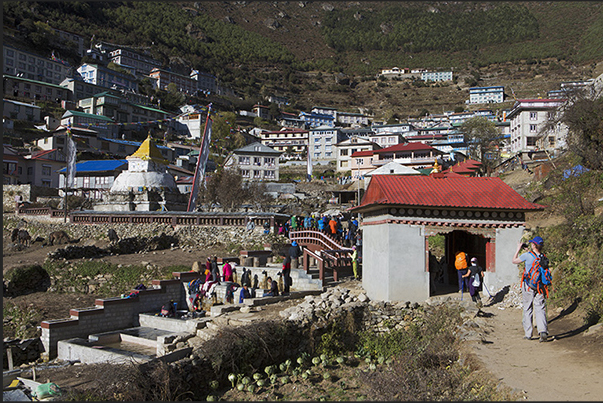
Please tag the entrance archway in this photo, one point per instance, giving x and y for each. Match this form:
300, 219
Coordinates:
473, 245
443, 274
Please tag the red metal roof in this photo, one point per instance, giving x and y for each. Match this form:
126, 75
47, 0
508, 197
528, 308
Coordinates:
363, 153
447, 191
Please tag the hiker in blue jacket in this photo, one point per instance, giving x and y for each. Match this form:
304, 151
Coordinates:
534, 302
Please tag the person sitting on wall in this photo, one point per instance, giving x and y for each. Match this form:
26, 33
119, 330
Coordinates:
244, 293
273, 288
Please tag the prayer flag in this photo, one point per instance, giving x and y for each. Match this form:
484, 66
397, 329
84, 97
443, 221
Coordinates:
201, 162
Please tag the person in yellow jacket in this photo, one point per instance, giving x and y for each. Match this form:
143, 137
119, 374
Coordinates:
355, 262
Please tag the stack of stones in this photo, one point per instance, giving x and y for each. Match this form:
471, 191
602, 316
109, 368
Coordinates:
379, 316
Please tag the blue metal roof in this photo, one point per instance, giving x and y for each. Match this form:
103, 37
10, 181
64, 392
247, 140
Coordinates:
97, 165
131, 143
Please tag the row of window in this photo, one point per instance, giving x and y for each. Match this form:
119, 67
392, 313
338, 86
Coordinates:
246, 173
245, 160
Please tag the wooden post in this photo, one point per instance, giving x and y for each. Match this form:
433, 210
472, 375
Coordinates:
9, 356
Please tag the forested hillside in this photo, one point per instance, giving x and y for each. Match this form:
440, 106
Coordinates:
259, 48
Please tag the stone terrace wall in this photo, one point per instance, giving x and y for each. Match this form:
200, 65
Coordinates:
113, 313
189, 235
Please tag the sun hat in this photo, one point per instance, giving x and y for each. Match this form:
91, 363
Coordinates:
537, 240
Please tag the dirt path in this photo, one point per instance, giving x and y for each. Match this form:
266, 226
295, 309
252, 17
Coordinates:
568, 368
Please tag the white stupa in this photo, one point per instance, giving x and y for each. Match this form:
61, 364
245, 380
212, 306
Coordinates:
146, 169
145, 186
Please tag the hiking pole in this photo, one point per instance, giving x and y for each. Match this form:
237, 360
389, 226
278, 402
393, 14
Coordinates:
486, 287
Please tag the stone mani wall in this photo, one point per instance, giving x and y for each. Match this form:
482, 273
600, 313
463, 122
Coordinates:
114, 313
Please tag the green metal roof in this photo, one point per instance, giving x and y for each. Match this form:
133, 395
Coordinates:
34, 81
88, 115
151, 109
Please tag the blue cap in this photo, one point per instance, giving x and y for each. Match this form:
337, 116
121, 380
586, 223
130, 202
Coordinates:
537, 240
294, 243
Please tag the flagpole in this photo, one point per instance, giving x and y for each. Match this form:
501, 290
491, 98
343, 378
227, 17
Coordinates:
195, 187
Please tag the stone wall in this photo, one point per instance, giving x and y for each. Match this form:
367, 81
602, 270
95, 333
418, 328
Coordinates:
188, 235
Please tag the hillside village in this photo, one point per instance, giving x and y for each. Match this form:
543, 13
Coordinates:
102, 109
84, 143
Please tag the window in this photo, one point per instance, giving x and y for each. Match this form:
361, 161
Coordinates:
245, 173
359, 161
533, 115
46, 183
317, 139
533, 128
29, 171
257, 174
343, 152
269, 174
257, 161
530, 141
86, 180
243, 160
60, 140
269, 162
46, 170
317, 147
328, 140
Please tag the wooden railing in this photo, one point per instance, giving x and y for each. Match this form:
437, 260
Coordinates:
328, 253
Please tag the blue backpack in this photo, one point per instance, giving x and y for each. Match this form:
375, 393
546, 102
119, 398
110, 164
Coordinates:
538, 277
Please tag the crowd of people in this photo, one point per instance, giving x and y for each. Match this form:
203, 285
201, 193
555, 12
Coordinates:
341, 229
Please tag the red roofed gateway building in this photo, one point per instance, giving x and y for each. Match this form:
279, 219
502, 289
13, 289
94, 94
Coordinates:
481, 216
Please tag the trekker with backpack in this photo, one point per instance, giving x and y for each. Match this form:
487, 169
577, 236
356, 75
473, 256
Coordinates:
534, 286
475, 274
460, 263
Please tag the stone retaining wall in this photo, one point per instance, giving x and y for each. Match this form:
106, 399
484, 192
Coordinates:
189, 235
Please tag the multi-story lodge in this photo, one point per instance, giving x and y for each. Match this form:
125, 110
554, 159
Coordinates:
485, 95
120, 109
107, 78
412, 155
183, 83
346, 148
255, 162
281, 140
352, 119
322, 141
317, 119
529, 129
29, 65
143, 64
436, 76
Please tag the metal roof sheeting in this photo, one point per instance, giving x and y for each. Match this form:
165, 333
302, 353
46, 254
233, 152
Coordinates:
446, 191
98, 165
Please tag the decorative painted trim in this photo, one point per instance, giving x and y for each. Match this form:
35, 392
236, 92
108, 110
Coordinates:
448, 213
454, 224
